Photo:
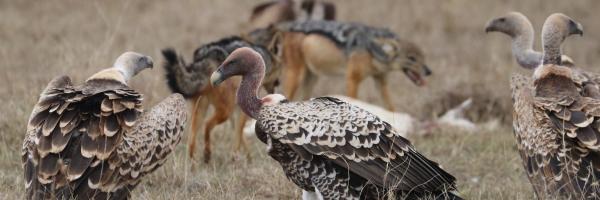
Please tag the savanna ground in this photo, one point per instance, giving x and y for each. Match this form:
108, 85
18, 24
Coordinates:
43, 39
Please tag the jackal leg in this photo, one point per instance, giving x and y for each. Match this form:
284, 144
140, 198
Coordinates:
239, 131
355, 75
218, 117
223, 109
295, 67
308, 84
293, 75
381, 82
198, 112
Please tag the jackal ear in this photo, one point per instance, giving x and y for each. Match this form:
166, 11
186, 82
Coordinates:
276, 44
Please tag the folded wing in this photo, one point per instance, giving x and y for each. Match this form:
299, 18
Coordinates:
354, 139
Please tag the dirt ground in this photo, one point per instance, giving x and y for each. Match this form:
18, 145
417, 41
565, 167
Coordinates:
42, 39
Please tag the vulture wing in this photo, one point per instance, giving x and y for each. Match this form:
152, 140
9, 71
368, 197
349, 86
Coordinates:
354, 139
73, 131
557, 127
152, 139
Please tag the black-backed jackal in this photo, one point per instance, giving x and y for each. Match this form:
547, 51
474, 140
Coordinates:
311, 49
277, 11
192, 80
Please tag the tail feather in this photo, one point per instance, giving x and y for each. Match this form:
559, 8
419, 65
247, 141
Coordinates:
180, 77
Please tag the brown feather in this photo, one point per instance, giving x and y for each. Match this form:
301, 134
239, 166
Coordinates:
587, 136
106, 105
62, 107
38, 118
111, 126
67, 117
117, 106
129, 117
128, 104
49, 165
45, 144
106, 145
580, 119
93, 131
112, 96
29, 169
59, 141
88, 146
50, 123
70, 126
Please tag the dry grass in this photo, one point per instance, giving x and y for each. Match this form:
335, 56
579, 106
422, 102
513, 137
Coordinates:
42, 39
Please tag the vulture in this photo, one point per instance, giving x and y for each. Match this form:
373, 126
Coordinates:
94, 141
332, 149
557, 121
519, 28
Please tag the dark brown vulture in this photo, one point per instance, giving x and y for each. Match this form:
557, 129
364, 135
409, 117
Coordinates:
94, 141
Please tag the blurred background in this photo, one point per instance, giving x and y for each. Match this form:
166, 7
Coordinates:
42, 39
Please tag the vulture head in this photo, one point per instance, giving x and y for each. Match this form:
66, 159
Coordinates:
513, 24
131, 63
556, 29
242, 61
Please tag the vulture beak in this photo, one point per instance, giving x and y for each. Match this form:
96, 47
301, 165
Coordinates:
215, 78
489, 26
150, 62
575, 28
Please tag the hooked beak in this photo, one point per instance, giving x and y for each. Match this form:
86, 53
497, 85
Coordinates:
489, 27
575, 28
215, 78
150, 62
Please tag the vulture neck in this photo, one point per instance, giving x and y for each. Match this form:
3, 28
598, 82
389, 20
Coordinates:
552, 38
522, 48
552, 54
126, 72
247, 94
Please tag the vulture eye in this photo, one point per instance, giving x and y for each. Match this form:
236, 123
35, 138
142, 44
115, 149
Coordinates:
232, 62
412, 58
141, 60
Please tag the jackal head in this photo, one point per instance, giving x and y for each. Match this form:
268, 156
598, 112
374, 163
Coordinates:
406, 56
206, 61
